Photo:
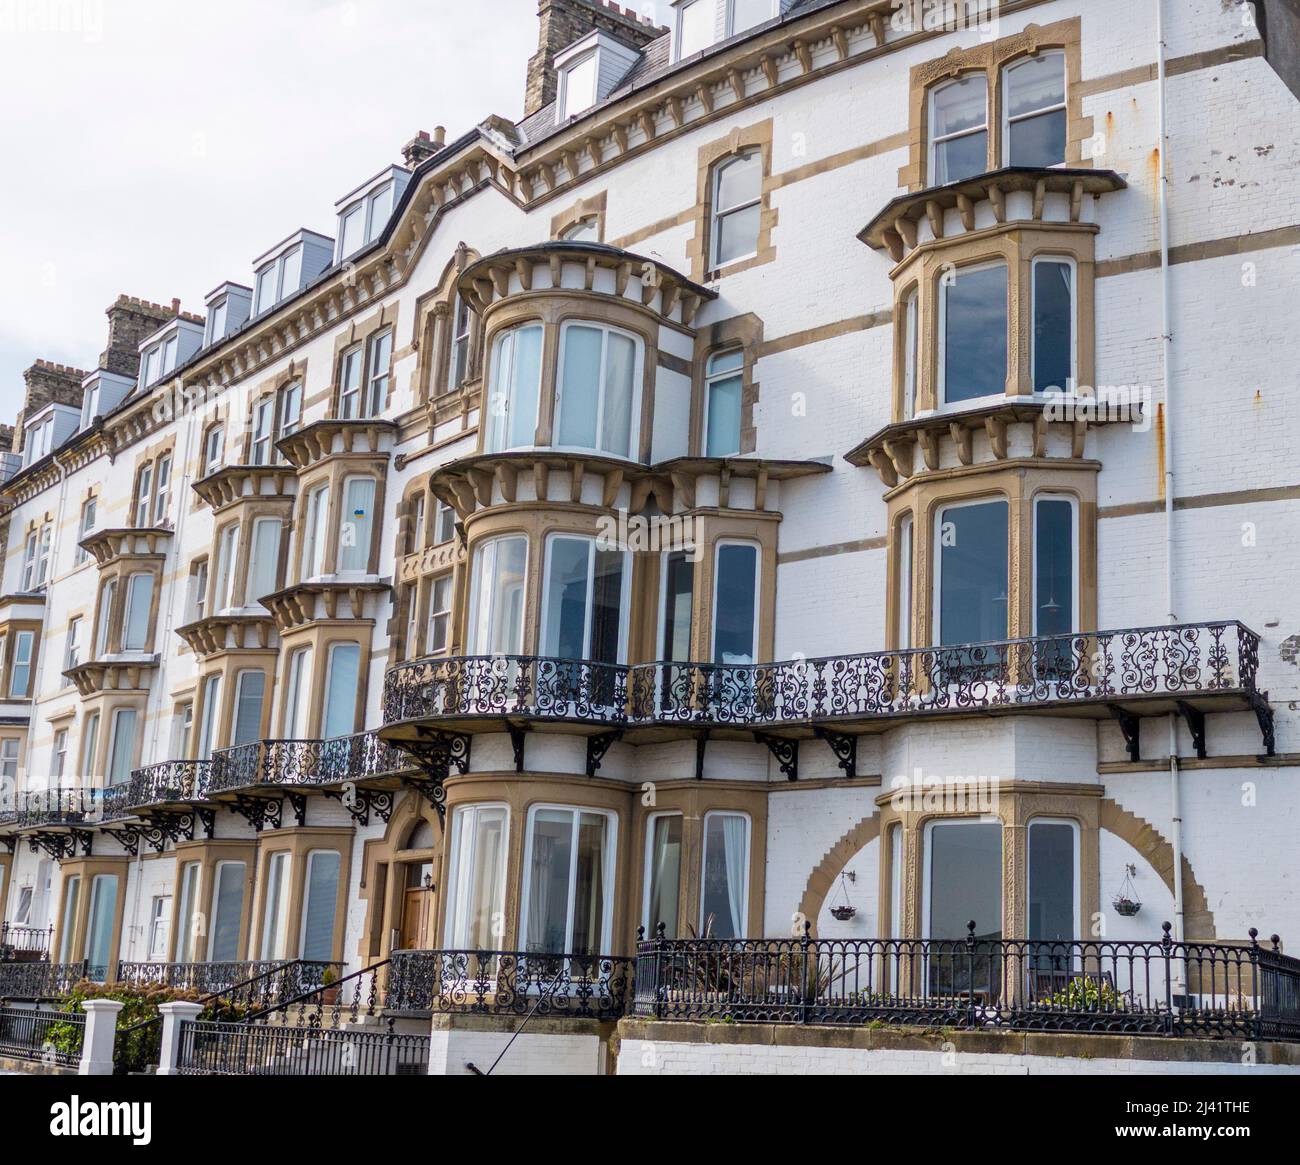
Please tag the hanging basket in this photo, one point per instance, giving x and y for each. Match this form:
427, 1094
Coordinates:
1126, 907
1126, 902
844, 913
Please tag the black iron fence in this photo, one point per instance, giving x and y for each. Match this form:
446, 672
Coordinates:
53, 807
251, 984
226, 1049
24, 944
510, 983
174, 781
305, 763
1097, 667
51, 1037
1158, 987
41, 980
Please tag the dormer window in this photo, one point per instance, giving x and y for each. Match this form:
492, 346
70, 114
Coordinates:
696, 25
588, 70
228, 309
220, 313
89, 405
278, 279
364, 214
579, 86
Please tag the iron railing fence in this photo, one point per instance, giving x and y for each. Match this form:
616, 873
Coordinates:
173, 781
53, 807
24, 944
30, 982
30, 1035
1095, 667
306, 763
250, 984
226, 1049
515, 983
1158, 987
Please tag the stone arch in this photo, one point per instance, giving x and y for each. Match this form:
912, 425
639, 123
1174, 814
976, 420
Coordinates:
1198, 919
376, 890
833, 861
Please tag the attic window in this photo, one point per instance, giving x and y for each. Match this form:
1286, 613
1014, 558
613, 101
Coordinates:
362, 222
695, 27
278, 279
580, 85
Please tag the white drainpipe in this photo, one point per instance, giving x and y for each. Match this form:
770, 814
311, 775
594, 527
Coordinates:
1167, 436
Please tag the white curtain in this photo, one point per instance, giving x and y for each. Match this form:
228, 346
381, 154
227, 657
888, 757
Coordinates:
735, 844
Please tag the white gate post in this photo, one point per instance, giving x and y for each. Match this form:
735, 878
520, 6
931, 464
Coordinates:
101, 1031
174, 1014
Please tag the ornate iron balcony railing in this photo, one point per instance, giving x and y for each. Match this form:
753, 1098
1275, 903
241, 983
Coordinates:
290, 764
510, 983
42, 980
256, 984
173, 781
1157, 987
39, 808
1100, 668
24, 944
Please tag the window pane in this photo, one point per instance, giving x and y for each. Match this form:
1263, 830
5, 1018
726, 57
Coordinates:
381, 207
564, 636
975, 335
275, 917
228, 909
589, 890
139, 599
616, 417
724, 883
1037, 141
341, 693
679, 593
580, 387
124, 721
207, 736
973, 574
580, 87
292, 272
664, 875
697, 28
1051, 880
99, 928
1053, 567
723, 432
607, 607
478, 862
734, 604
248, 707
70, 896
966, 880
739, 181
738, 234
1035, 83
358, 523
266, 559
185, 915
962, 157
20, 679
295, 707
354, 231
496, 620
959, 105
322, 902
548, 889
747, 13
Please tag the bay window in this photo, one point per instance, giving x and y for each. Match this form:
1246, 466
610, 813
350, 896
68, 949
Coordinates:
514, 390
724, 876
342, 685
250, 687
678, 588
264, 578
90, 745
911, 338
275, 908
321, 908
20, 668
66, 932
959, 129
139, 608
122, 746
568, 881
585, 595
357, 524
1034, 117
737, 207
104, 618
186, 910
963, 882
723, 391
596, 397
227, 912
1052, 892
906, 564
227, 547
315, 531
973, 334
208, 728
1054, 340
476, 908
735, 603
663, 875
100, 925
1055, 566
971, 583
496, 614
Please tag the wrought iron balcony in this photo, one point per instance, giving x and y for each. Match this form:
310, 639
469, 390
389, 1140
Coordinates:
305, 764
41, 980
1189, 668
1156, 988
254, 983
173, 782
24, 944
509, 983
47, 808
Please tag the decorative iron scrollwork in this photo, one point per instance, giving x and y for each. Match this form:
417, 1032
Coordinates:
844, 747
260, 812
360, 803
786, 752
597, 747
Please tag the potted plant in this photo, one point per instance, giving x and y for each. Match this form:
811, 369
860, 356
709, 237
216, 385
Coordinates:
1126, 902
329, 987
845, 911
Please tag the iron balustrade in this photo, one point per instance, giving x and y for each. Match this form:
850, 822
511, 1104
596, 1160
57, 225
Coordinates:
510, 983
227, 1049
290, 764
1157, 987
171, 782
41, 980
26, 1035
254, 984
1098, 667
24, 944
38, 808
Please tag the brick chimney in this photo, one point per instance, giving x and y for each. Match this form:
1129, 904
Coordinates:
130, 320
564, 21
424, 145
7, 439
47, 383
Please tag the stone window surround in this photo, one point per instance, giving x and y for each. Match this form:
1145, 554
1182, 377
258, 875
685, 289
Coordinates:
245, 514
409, 540
150, 458
37, 526
581, 211
699, 247
1019, 484
991, 59
9, 632
208, 854
743, 333
88, 869
299, 842
233, 664
1017, 804
105, 704
296, 371
360, 333
121, 572
434, 341
319, 637
334, 470
423, 595
383, 886
539, 521
1018, 244
552, 308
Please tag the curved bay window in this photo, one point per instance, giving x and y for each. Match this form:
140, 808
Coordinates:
568, 885
477, 878
584, 601
496, 610
596, 396
513, 395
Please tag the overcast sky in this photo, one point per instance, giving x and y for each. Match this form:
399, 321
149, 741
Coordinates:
155, 147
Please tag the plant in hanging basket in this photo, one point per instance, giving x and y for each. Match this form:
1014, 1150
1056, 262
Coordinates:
844, 913
1126, 907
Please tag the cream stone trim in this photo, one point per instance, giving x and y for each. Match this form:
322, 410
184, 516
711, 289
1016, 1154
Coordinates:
209, 854
700, 246
382, 888
88, 869
360, 333
299, 842
585, 208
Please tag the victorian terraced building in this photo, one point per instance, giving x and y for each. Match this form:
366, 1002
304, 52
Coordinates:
821, 480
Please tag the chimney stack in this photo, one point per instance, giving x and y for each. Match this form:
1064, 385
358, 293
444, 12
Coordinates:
424, 145
561, 23
47, 383
130, 320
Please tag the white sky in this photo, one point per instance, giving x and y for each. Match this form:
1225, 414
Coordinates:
155, 147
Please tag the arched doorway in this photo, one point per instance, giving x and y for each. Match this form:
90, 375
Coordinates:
416, 865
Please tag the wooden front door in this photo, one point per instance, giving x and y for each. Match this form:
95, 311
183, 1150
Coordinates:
417, 910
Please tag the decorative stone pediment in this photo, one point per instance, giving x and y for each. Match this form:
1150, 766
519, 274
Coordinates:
371, 438
219, 634
327, 601
110, 546
232, 484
